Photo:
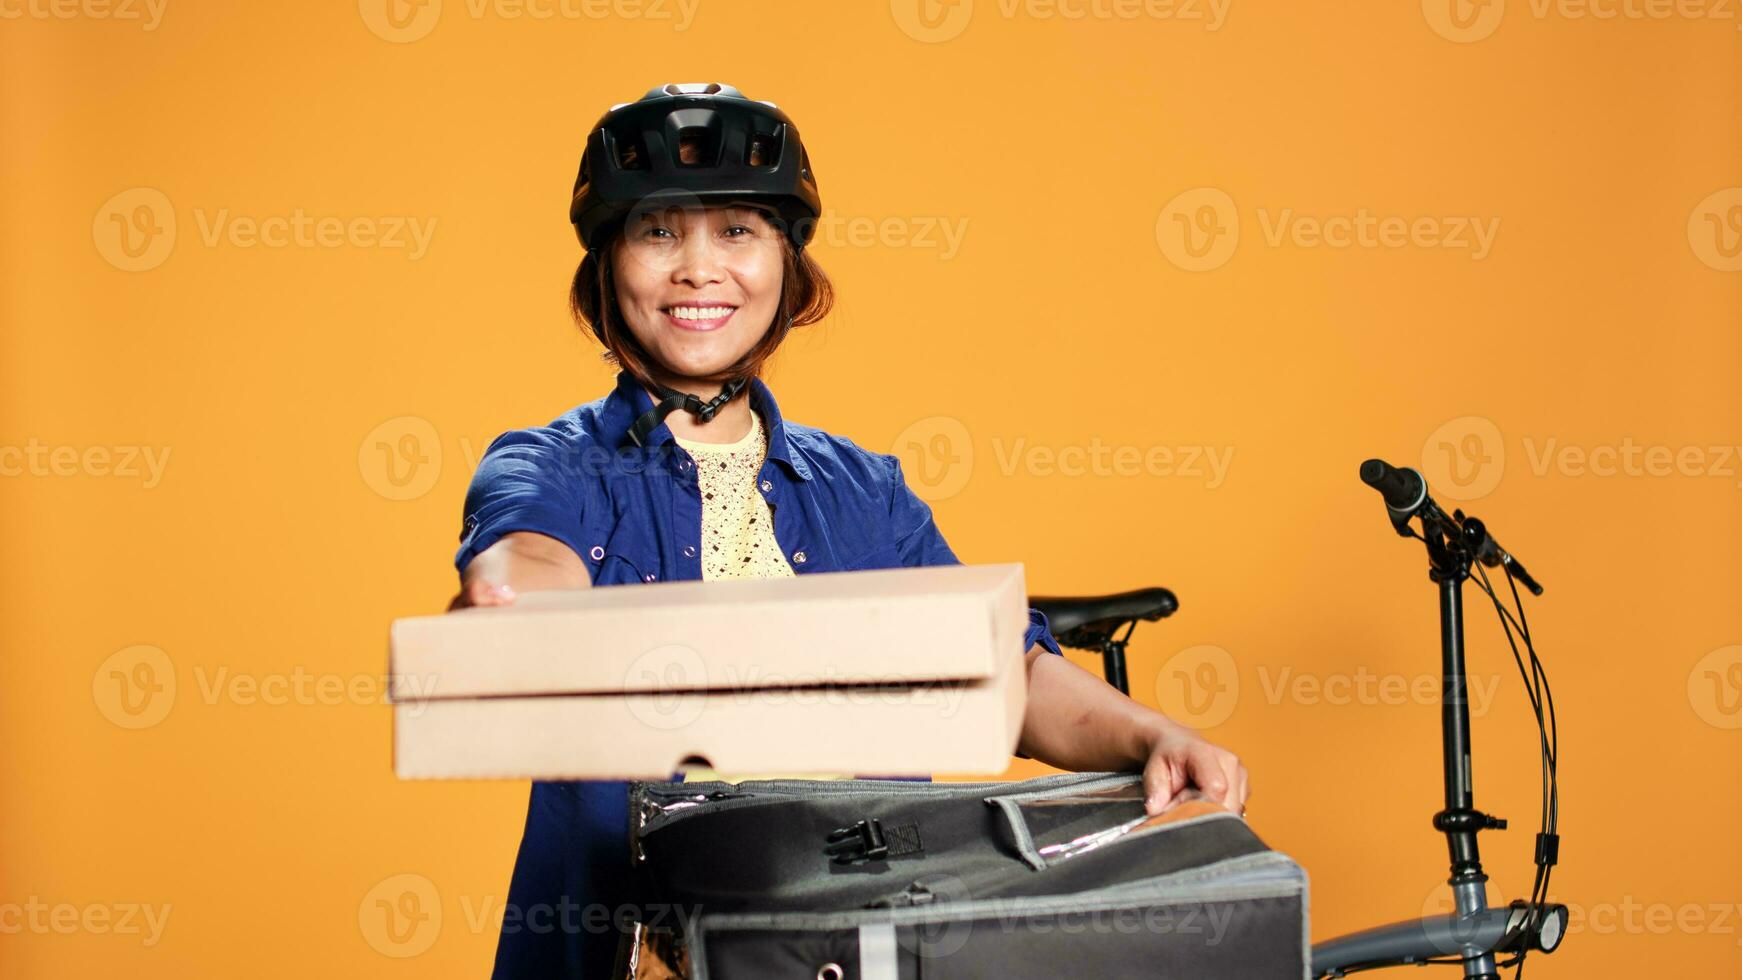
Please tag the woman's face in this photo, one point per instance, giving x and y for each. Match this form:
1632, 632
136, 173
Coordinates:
698, 287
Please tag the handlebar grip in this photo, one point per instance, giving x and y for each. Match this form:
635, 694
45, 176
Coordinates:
1402, 488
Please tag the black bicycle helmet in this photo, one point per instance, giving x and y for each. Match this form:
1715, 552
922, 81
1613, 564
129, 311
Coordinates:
692, 145
739, 150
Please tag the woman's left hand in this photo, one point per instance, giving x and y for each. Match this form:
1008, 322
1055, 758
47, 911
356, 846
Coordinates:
1180, 760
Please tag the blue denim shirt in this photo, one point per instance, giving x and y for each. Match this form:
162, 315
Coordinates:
634, 514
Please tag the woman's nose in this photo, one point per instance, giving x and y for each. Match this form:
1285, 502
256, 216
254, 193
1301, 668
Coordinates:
698, 262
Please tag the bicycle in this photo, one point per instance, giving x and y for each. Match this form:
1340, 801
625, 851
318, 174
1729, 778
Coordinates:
1474, 935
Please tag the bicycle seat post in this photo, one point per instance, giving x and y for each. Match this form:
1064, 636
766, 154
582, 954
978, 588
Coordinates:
1091, 622
1113, 662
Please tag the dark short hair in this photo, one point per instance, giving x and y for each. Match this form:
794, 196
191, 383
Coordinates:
806, 296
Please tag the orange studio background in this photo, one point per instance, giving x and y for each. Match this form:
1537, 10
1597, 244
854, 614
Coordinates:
1132, 287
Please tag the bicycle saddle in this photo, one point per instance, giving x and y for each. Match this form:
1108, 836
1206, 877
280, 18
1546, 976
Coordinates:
1086, 620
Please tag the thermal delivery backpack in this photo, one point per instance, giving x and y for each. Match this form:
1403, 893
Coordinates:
890, 880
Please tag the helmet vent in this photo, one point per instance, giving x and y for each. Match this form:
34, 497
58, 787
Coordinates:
764, 151
711, 88
627, 150
697, 147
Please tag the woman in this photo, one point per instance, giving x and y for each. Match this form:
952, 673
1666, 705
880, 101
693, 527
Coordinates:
695, 205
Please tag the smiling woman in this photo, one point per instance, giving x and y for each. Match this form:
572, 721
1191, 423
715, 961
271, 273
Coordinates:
695, 205
652, 305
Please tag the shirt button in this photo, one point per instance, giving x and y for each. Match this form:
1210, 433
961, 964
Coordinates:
648, 577
689, 551
597, 553
798, 557
767, 486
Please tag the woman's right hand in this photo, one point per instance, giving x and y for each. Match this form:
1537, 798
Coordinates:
523, 561
479, 591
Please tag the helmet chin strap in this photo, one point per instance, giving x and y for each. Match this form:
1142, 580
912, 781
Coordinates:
670, 400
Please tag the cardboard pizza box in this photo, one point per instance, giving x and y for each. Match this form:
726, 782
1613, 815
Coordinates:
890, 672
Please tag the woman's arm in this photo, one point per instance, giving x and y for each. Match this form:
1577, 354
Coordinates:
522, 561
1075, 720
1078, 722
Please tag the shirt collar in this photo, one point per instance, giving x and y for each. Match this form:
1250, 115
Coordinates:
630, 401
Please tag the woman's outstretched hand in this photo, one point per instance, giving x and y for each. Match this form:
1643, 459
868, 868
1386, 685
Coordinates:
481, 592
520, 562
1180, 760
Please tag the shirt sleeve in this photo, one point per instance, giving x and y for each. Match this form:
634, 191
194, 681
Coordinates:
920, 542
523, 483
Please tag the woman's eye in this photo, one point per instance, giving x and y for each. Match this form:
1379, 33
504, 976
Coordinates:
743, 228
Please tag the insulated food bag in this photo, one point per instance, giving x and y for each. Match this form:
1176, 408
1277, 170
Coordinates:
886, 880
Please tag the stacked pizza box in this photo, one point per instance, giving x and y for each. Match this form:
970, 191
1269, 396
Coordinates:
893, 672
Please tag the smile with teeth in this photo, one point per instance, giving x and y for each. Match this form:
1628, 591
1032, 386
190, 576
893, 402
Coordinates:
700, 312
700, 317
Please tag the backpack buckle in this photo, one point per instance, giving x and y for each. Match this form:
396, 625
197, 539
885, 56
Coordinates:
863, 841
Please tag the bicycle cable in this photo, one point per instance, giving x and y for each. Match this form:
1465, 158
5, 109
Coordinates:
1537, 688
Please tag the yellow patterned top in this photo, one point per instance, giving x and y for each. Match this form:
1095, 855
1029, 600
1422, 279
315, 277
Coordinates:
737, 524
738, 535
